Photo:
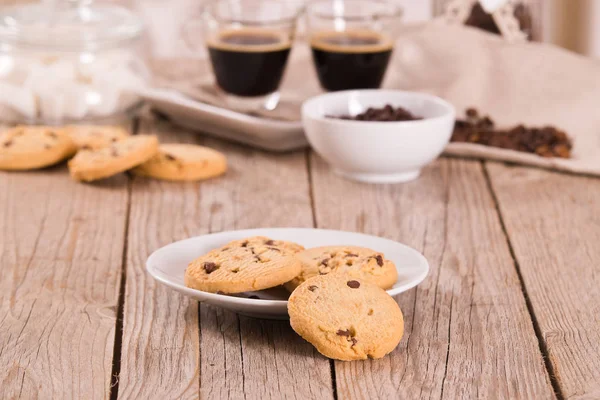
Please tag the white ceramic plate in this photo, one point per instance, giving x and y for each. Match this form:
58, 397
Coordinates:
227, 124
167, 265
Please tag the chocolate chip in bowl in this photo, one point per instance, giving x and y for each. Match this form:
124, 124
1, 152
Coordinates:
387, 113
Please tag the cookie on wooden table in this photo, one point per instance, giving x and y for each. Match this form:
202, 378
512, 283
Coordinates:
33, 147
250, 264
92, 137
91, 165
346, 319
356, 262
183, 162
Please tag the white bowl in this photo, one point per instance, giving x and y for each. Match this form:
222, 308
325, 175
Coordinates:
379, 152
167, 265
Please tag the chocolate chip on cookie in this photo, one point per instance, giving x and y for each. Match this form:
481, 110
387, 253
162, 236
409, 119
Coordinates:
210, 267
353, 284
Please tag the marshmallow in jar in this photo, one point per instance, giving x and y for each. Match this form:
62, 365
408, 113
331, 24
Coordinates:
61, 62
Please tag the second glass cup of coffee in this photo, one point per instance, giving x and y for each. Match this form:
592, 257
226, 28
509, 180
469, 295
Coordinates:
352, 41
249, 42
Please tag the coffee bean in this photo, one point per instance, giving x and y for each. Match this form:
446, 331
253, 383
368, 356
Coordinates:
210, 267
353, 284
547, 141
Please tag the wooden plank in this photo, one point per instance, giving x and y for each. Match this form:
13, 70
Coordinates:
235, 357
468, 331
553, 222
61, 245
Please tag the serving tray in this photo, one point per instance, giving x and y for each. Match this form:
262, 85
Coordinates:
263, 133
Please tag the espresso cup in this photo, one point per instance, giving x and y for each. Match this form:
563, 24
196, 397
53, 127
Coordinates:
249, 42
352, 41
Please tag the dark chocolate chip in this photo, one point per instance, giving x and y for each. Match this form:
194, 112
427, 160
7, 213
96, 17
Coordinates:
351, 255
245, 244
325, 262
354, 341
269, 242
210, 267
379, 260
353, 284
347, 332
312, 288
169, 157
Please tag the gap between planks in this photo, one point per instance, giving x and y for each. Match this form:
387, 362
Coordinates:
117, 346
536, 326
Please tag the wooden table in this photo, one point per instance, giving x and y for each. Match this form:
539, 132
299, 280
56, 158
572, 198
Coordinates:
510, 309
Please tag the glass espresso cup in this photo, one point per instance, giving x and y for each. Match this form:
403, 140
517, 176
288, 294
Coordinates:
249, 42
352, 41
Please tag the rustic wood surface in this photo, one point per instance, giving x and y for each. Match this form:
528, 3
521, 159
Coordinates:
553, 222
510, 309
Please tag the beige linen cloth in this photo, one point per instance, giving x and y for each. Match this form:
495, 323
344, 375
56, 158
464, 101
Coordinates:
530, 83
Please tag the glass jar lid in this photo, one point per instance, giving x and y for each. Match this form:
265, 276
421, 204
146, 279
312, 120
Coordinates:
67, 26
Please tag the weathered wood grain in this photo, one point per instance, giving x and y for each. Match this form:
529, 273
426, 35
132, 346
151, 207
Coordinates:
553, 222
61, 245
468, 331
233, 357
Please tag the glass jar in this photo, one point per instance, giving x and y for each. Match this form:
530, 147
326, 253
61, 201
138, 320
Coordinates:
62, 62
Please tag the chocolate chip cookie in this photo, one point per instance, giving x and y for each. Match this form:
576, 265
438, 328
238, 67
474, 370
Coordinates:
33, 147
92, 137
346, 318
91, 165
183, 162
353, 261
250, 264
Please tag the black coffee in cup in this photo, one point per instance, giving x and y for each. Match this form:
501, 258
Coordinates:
249, 62
351, 59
